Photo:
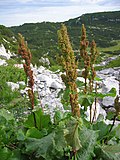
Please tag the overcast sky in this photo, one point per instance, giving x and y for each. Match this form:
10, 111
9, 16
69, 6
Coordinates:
17, 12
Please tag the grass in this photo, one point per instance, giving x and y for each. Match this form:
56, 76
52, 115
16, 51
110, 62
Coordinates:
112, 48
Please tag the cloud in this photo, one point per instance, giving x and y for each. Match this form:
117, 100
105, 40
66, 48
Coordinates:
24, 1
16, 12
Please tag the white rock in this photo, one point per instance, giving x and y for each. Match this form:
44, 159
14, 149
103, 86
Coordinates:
40, 69
108, 101
56, 85
3, 62
82, 79
99, 110
107, 121
21, 83
4, 53
110, 83
13, 85
107, 71
18, 65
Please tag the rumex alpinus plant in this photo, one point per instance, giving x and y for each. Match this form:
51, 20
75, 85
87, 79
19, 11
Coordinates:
24, 51
70, 67
26, 55
93, 55
89, 60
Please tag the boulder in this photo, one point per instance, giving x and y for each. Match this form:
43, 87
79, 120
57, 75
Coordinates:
99, 111
109, 83
13, 85
108, 101
3, 53
3, 62
56, 85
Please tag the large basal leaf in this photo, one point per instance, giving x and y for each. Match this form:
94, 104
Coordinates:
108, 152
111, 93
102, 128
49, 147
59, 144
41, 147
88, 140
72, 136
6, 154
42, 121
6, 114
113, 152
34, 133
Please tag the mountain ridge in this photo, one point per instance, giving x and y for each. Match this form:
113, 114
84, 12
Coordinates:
103, 27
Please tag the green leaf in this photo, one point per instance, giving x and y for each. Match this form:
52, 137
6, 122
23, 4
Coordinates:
110, 115
34, 133
6, 114
86, 100
97, 79
59, 143
42, 121
72, 136
49, 147
20, 135
88, 140
4, 153
117, 131
107, 152
111, 93
41, 147
103, 129
58, 117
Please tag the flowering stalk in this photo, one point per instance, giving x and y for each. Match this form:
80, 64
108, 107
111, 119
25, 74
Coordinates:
86, 58
26, 55
89, 61
70, 67
93, 56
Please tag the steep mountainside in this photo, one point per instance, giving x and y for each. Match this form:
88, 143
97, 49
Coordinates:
104, 27
7, 38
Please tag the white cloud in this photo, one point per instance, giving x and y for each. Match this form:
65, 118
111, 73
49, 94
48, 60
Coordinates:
45, 10
53, 14
24, 1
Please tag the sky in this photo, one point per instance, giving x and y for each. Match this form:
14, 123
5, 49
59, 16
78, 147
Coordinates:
18, 12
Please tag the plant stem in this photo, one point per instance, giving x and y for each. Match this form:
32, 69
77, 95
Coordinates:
34, 120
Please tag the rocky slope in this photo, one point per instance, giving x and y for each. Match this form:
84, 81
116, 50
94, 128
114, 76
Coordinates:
103, 27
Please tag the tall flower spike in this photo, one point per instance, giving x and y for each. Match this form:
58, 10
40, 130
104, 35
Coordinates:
84, 54
70, 67
26, 55
93, 55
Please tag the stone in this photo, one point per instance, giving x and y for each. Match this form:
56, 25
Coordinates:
45, 61
109, 83
107, 71
108, 101
40, 69
99, 110
56, 85
3, 62
3, 53
14, 86
21, 83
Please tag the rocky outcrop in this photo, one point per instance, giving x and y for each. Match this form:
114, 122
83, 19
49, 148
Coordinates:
48, 85
110, 79
3, 53
3, 62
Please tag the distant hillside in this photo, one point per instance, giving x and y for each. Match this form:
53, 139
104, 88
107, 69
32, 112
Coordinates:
7, 38
104, 27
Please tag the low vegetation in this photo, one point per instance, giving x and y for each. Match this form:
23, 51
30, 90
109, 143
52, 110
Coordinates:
69, 136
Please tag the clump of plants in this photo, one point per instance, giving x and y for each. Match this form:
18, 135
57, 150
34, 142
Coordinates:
69, 136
